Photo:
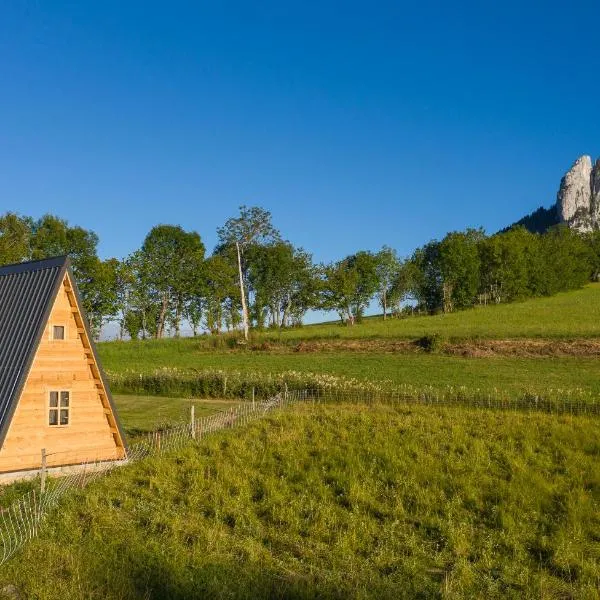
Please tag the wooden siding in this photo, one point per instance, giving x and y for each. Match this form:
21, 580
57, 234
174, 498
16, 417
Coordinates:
62, 365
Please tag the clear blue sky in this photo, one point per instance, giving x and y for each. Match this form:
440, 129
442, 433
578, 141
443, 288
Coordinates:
357, 125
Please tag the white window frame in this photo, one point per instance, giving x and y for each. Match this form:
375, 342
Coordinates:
58, 408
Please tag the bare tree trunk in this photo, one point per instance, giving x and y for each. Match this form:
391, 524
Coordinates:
384, 304
286, 312
162, 316
178, 311
242, 293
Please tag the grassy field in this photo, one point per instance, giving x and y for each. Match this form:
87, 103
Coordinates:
338, 502
140, 414
572, 315
567, 315
509, 374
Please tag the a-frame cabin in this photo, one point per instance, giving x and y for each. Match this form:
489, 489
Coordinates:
53, 393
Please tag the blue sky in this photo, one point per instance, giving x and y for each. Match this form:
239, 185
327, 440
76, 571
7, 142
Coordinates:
356, 124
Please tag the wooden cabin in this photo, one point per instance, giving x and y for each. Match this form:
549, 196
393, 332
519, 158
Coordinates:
53, 393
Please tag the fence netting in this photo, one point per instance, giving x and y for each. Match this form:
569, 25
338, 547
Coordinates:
21, 521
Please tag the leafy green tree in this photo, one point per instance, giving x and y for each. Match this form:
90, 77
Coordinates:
428, 279
404, 286
350, 284
252, 227
283, 279
169, 262
15, 236
504, 266
220, 279
387, 269
571, 259
98, 287
459, 265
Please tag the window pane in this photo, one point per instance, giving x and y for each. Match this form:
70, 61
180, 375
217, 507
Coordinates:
64, 416
53, 398
58, 332
53, 417
64, 398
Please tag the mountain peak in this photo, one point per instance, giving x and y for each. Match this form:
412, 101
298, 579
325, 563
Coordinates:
574, 199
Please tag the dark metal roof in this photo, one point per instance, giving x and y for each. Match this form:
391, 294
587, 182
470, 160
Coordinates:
27, 293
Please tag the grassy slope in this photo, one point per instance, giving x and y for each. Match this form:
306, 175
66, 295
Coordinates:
139, 414
510, 374
567, 315
340, 502
574, 314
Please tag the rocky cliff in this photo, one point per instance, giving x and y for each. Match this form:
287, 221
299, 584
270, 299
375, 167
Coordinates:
577, 202
578, 199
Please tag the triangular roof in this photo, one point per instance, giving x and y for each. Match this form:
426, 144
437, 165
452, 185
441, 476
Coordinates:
27, 294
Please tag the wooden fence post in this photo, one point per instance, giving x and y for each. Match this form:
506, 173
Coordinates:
43, 472
193, 421
253, 396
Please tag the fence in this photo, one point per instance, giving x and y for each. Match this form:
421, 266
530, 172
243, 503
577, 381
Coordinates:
22, 520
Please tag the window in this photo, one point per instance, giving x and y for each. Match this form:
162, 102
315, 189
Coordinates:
58, 332
58, 411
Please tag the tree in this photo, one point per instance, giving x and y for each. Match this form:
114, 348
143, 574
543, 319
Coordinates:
428, 277
220, 280
460, 268
99, 292
350, 284
15, 235
169, 263
404, 286
253, 226
387, 270
283, 279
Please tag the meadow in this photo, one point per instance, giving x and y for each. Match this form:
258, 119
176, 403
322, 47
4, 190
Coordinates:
337, 501
566, 319
569, 315
142, 414
515, 375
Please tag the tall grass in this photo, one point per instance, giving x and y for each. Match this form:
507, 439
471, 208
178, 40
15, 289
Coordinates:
212, 383
338, 502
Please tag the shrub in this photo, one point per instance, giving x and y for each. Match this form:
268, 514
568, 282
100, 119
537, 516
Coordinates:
432, 342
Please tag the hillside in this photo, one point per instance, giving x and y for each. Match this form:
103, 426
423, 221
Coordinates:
553, 344
337, 502
574, 314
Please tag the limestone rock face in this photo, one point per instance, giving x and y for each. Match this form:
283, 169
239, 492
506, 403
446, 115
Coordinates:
575, 194
595, 200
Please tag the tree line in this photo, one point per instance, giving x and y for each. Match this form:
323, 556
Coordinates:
254, 278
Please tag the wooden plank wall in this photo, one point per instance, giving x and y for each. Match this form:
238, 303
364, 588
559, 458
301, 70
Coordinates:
62, 365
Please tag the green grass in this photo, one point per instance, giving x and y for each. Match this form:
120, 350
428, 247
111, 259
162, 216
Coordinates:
567, 315
338, 502
573, 314
505, 373
139, 414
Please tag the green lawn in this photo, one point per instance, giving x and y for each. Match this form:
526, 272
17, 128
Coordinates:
338, 502
573, 314
139, 414
508, 374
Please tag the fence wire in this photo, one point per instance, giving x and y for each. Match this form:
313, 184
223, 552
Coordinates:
22, 520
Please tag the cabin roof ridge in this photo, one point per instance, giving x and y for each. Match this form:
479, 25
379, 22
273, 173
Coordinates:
35, 265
